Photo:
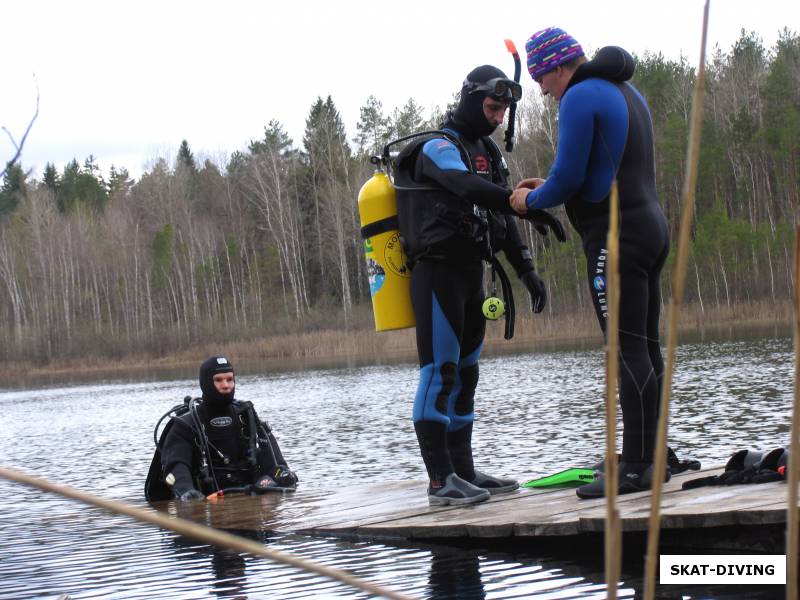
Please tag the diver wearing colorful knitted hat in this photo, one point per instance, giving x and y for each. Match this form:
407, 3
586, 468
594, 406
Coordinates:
549, 48
604, 120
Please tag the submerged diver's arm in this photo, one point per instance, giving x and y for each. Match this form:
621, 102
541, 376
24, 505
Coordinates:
269, 438
183, 486
280, 471
442, 162
176, 461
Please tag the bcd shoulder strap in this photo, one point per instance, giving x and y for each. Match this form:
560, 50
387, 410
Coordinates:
499, 165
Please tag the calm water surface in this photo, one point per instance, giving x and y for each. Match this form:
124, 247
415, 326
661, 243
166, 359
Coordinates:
535, 414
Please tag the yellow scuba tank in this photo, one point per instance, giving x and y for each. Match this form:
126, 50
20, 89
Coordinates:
389, 275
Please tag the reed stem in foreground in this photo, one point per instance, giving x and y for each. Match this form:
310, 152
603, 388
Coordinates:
794, 446
613, 529
679, 280
196, 531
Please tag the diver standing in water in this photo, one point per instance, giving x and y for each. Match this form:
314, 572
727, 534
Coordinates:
219, 443
454, 213
605, 133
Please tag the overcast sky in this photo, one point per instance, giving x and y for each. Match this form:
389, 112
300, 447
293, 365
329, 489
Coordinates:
127, 81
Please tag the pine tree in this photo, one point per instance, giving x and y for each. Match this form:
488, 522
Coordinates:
13, 188
407, 120
328, 161
186, 158
275, 139
373, 128
119, 182
90, 166
186, 174
68, 191
50, 178
81, 187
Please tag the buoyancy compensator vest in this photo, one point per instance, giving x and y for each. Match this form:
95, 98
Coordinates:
436, 223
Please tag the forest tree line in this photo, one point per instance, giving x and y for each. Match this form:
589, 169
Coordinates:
269, 242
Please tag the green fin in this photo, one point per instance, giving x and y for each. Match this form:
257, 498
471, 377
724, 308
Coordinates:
566, 478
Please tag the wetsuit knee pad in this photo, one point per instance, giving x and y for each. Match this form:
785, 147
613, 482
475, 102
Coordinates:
435, 385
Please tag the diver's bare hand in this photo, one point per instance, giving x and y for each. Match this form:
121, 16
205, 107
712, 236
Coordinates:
530, 182
519, 200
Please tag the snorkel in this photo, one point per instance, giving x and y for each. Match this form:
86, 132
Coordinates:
509, 137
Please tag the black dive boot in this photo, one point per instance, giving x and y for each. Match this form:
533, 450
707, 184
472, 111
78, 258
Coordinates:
445, 486
633, 477
459, 443
675, 464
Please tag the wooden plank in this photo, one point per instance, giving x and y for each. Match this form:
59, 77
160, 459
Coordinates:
386, 521
408, 503
716, 506
526, 513
400, 509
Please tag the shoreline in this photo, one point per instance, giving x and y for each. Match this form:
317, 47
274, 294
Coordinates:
360, 347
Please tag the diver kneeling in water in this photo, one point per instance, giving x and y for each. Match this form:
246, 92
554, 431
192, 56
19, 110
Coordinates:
217, 443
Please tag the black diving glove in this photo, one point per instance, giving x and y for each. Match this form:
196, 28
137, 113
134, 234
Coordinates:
264, 484
281, 479
536, 289
285, 477
189, 495
541, 220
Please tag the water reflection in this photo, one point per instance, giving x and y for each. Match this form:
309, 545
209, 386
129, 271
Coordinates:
235, 511
536, 414
455, 574
227, 568
475, 574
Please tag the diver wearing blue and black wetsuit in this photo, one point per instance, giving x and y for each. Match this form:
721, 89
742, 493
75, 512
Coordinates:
444, 211
605, 132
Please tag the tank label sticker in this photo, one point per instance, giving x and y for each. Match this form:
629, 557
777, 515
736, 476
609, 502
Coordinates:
394, 257
376, 275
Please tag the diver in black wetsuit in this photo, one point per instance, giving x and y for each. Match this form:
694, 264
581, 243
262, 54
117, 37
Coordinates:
220, 443
458, 217
605, 132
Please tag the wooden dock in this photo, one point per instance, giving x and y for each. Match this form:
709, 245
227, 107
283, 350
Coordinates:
400, 511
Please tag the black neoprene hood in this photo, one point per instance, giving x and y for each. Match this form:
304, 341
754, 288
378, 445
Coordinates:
468, 115
210, 367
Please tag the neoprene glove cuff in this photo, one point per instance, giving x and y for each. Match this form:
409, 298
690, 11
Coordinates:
542, 220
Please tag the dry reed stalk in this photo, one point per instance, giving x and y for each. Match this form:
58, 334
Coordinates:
794, 446
613, 529
679, 280
196, 531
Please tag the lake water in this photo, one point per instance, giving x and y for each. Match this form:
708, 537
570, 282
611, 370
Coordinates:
535, 414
